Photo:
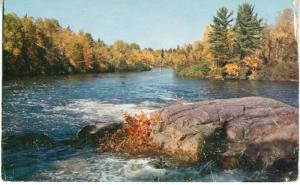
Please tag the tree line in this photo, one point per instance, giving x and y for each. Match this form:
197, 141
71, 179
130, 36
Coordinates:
244, 47
41, 46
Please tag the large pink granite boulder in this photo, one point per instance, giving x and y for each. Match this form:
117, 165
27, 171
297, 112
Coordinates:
251, 131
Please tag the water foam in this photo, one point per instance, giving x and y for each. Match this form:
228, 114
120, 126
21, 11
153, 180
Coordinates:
103, 111
113, 168
102, 168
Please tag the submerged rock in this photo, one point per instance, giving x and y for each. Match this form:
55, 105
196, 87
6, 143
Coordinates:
91, 134
251, 132
27, 140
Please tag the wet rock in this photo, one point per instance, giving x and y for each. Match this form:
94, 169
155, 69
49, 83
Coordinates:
27, 140
91, 134
159, 163
229, 162
256, 132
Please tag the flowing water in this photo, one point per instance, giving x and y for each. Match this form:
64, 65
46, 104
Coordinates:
60, 106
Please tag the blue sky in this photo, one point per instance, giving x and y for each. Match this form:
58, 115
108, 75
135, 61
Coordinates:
150, 23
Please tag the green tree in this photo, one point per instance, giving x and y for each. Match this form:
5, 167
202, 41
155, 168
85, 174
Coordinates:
219, 37
247, 31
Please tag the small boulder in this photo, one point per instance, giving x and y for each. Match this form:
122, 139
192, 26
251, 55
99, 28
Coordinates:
91, 134
26, 141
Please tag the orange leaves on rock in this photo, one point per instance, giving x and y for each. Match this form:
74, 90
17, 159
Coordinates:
133, 137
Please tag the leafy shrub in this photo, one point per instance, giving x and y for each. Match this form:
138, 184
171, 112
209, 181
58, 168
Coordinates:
133, 137
244, 73
280, 72
140, 66
200, 70
217, 72
232, 69
121, 66
252, 62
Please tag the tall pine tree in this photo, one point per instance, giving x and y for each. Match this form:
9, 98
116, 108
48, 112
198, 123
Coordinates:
219, 37
247, 31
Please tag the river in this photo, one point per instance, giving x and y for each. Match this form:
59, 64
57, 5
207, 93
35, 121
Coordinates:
60, 105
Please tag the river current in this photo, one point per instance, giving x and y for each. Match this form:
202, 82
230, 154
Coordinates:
60, 105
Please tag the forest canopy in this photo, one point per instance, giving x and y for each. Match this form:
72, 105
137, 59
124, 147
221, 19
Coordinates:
240, 47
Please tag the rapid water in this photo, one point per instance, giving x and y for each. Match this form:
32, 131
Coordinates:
59, 106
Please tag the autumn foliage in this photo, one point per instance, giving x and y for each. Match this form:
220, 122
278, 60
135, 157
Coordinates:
232, 69
252, 62
133, 137
242, 48
36, 46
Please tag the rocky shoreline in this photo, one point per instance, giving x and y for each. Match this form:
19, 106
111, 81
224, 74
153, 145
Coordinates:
245, 133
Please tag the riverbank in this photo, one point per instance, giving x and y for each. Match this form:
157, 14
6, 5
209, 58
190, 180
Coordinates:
73, 74
279, 72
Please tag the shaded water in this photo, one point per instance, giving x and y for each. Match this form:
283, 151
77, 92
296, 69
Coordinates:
59, 106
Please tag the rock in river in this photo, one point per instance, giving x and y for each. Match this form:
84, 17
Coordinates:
26, 140
250, 132
91, 134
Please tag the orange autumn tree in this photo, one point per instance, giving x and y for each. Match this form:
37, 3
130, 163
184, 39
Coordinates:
196, 52
179, 59
232, 69
102, 55
285, 44
86, 42
252, 62
265, 52
148, 57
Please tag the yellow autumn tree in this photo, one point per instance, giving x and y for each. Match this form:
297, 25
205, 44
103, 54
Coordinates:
195, 52
148, 57
232, 69
205, 52
285, 44
179, 59
252, 62
267, 43
102, 56
86, 42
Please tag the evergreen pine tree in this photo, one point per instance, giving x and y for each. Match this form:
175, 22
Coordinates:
219, 36
247, 31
